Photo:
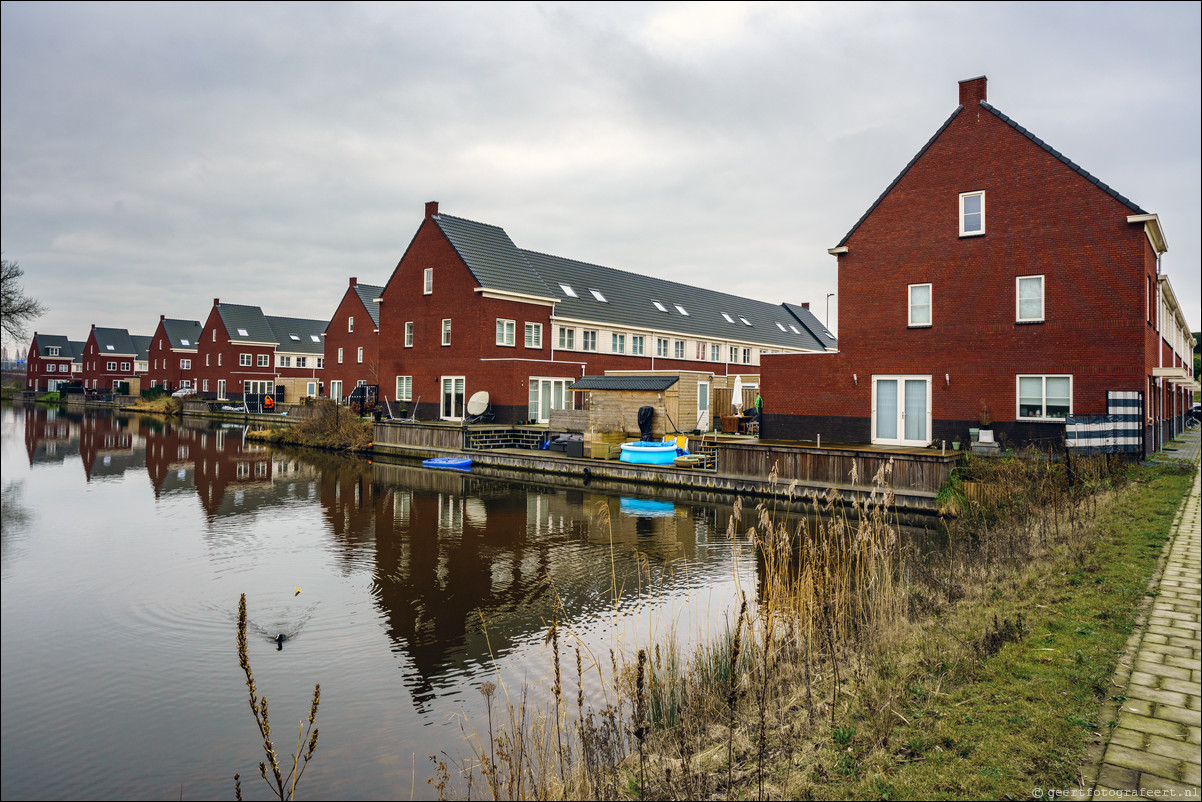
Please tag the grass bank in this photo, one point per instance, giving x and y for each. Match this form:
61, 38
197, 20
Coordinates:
864, 669
331, 427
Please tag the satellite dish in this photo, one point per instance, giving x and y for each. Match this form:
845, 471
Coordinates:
478, 403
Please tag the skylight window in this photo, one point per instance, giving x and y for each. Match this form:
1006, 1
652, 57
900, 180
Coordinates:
597, 294
243, 333
660, 306
681, 310
746, 322
795, 329
781, 326
110, 348
182, 341
729, 319
314, 338
568, 291
295, 337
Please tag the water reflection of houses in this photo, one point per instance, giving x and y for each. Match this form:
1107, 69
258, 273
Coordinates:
51, 436
109, 446
468, 569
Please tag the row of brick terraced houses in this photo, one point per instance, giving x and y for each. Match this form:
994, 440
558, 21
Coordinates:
993, 280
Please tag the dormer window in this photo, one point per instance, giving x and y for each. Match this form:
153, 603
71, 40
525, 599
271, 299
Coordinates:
597, 294
52, 351
972, 214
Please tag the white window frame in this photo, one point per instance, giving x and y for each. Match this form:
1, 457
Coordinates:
359, 355
185, 364
617, 343
428, 281
245, 361
302, 362
715, 353
263, 361
350, 324
458, 399
637, 344
321, 362
505, 332
588, 340
964, 232
1018, 299
409, 334
283, 361
534, 335
446, 331
567, 338
911, 306
678, 349
339, 356
661, 347
1043, 377
404, 388
901, 418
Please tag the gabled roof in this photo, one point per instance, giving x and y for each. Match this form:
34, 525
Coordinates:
630, 301
604, 296
115, 341
492, 257
368, 294
45, 342
245, 324
1036, 140
182, 334
651, 383
142, 344
810, 322
299, 335
77, 347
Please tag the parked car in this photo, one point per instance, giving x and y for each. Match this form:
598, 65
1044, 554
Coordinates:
183, 392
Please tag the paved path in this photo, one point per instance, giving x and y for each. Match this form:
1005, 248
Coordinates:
1156, 747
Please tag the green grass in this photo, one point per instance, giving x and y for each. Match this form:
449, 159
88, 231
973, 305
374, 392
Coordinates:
988, 727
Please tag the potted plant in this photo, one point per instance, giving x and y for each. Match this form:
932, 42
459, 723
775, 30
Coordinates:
956, 443
986, 434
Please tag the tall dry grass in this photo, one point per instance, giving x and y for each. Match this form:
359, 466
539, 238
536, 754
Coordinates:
732, 717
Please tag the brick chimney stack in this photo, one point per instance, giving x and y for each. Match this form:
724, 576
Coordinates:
972, 91
354, 281
216, 302
431, 209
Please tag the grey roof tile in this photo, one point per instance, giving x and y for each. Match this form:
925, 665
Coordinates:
182, 334
650, 383
47, 341
491, 256
115, 341
142, 344
368, 293
298, 335
246, 323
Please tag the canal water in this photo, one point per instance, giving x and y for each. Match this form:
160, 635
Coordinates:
127, 541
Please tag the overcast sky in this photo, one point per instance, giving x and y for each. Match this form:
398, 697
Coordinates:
158, 156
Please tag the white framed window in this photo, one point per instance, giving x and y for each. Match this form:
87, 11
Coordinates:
350, 324
404, 388
681, 310
727, 318
901, 410
1029, 299
660, 306
637, 344
244, 360
428, 281
661, 346
546, 394
567, 338
568, 291
284, 361
263, 361
700, 351
715, 353
678, 349
339, 356
302, 361
1044, 397
446, 331
920, 305
505, 329
219, 360
311, 389
746, 356
972, 213
185, 364
451, 404
588, 340
734, 353
207, 360
204, 385
321, 362
597, 294
617, 343
409, 334
359, 355
534, 335
124, 367
52, 350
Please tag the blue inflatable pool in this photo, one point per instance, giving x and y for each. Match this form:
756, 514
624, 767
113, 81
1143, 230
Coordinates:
645, 453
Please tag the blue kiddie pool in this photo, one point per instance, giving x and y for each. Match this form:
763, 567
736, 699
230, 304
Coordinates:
645, 453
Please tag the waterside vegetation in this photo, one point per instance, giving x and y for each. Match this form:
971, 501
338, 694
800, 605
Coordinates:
330, 427
862, 667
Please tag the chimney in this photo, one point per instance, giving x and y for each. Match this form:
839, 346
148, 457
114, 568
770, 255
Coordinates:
431, 209
162, 318
805, 305
216, 301
972, 91
354, 281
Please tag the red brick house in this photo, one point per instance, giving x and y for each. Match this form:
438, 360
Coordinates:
243, 351
113, 355
993, 280
466, 310
48, 363
173, 354
352, 340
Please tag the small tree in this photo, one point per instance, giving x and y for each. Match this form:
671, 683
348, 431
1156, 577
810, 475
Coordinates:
17, 310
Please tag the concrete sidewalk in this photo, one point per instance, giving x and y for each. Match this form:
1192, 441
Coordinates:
1156, 747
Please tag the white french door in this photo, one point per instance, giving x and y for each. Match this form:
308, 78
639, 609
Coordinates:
901, 410
451, 406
